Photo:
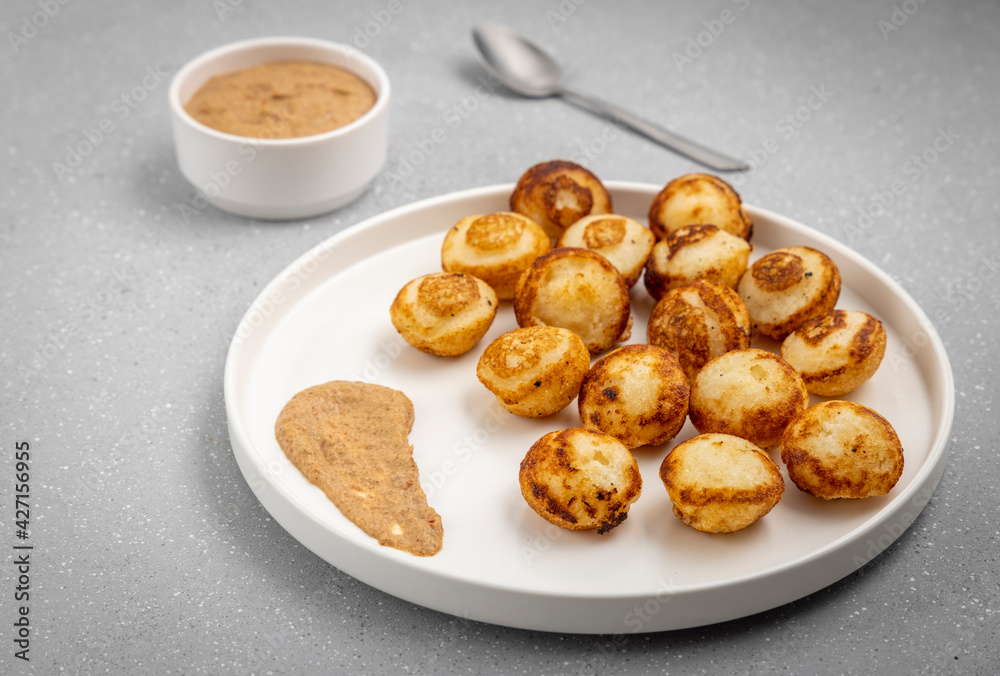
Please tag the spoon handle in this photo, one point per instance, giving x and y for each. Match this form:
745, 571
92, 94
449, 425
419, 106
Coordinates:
675, 142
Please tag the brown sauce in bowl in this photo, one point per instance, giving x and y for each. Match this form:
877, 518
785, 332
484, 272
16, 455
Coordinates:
282, 99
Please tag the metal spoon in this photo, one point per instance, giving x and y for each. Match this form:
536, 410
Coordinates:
527, 70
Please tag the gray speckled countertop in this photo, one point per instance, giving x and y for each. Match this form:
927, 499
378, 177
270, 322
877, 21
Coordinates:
151, 553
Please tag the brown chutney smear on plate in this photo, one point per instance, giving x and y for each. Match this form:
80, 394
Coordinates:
350, 440
281, 99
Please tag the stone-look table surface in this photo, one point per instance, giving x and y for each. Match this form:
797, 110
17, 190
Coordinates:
875, 123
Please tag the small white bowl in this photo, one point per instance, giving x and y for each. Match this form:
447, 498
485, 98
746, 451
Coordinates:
279, 178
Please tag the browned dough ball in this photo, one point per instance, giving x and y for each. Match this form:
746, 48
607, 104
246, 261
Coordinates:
696, 252
580, 479
578, 290
444, 314
719, 483
496, 248
623, 241
698, 322
556, 194
534, 371
749, 393
695, 199
837, 352
787, 287
637, 394
840, 449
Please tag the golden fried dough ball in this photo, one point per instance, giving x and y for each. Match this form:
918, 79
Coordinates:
719, 483
580, 479
496, 248
534, 371
837, 352
840, 449
698, 322
787, 287
696, 252
748, 393
623, 241
578, 290
556, 194
695, 199
444, 313
637, 394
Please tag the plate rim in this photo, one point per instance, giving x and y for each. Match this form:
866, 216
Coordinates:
915, 495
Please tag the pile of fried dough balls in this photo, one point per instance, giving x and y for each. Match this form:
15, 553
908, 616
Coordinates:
568, 264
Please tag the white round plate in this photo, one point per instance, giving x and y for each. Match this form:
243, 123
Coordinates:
326, 317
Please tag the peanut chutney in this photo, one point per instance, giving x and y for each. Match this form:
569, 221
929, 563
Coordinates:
350, 440
282, 99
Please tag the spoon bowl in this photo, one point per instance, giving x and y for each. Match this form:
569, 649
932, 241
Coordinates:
518, 64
